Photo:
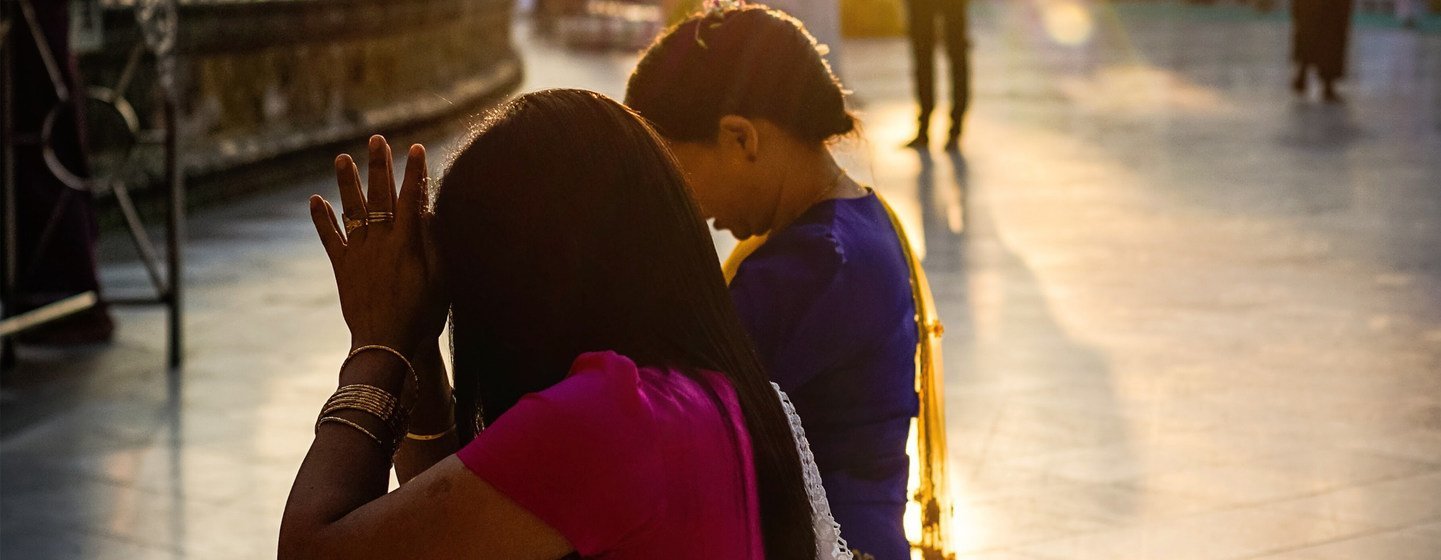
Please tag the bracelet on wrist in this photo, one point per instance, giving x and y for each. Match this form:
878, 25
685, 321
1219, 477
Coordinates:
430, 437
373, 401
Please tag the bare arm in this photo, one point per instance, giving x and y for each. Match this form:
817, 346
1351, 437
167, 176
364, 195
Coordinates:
338, 507
434, 415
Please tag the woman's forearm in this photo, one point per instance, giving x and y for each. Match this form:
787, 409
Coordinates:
433, 421
344, 469
339, 508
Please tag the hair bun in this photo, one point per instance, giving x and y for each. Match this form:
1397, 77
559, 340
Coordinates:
754, 62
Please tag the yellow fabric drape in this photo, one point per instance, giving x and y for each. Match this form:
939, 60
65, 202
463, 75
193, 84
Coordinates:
739, 254
930, 489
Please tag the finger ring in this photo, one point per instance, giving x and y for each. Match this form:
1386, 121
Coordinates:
378, 217
352, 224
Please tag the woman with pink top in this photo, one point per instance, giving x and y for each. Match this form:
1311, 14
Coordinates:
624, 412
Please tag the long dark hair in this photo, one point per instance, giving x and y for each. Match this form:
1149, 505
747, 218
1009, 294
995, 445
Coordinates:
750, 61
565, 227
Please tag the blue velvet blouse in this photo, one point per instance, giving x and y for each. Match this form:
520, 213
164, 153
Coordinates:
828, 303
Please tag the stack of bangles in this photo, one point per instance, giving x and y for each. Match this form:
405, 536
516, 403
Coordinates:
376, 402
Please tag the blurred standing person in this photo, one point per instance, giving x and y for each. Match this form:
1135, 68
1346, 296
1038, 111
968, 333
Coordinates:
56, 223
924, 15
1321, 31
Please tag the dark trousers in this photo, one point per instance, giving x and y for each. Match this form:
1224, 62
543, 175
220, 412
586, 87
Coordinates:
925, 17
1322, 29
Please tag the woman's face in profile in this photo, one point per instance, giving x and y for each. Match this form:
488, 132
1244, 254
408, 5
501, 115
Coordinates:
729, 183
723, 189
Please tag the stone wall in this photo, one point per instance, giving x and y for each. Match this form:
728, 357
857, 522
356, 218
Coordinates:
265, 78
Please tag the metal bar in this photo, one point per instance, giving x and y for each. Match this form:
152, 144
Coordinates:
174, 232
51, 312
148, 257
123, 83
120, 301
42, 44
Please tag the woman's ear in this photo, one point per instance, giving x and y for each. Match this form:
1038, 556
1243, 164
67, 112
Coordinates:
739, 134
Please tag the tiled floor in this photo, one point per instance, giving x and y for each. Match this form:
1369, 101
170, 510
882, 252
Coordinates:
1188, 315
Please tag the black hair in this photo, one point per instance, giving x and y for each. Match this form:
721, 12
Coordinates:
566, 227
751, 61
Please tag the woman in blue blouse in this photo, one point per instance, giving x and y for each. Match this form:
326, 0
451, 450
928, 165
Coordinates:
748, 106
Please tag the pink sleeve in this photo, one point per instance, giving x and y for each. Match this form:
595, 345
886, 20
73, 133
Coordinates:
580, 455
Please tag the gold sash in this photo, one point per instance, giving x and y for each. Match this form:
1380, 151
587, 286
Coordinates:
930, 494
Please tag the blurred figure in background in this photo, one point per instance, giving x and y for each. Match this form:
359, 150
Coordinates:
56, 223
924, 15
1320, 33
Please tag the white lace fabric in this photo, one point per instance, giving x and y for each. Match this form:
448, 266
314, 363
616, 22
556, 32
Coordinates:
829, 544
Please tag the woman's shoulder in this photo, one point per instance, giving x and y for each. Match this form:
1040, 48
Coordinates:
600, 384
809, 250
598, 410
608, 386
825, 240
566, 452
607, 371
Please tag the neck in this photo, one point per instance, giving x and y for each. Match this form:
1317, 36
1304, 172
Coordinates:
816, 178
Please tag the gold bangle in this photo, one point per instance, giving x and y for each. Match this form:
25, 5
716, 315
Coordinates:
415, 377
382, 348
371, 400
364, 392
385, 399
358, 427
356, 396
368, 408
430, 437
365, 398
382, 399
379, 410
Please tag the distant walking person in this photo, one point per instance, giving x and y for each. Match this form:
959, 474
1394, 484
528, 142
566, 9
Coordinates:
924, 15
1321, 31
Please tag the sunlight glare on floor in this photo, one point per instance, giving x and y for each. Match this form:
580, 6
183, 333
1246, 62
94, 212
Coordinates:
1067, 22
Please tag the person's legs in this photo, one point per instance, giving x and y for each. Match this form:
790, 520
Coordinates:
922, 23
1300, 84
1302, 35
958, 50
1333, 30
1328, 90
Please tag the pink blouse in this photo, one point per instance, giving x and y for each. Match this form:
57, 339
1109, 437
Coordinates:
628, 462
